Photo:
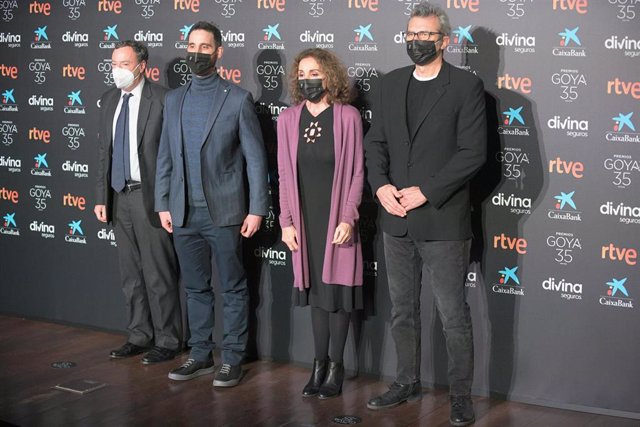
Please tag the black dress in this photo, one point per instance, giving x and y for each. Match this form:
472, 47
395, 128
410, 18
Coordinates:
316, 162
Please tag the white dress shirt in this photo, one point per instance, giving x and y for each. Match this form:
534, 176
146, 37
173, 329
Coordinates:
134, 107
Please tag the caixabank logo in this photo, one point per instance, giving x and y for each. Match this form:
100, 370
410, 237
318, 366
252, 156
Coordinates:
364, 75
564, 207
508, 282
517, 205
618, 254
570, 82
271, 38
74, 8
363, 40
147, 8
623, 169
625, 213
40, 67
108, 235
578, 6
625, 10
186, 5
513, 122
46, 231
8, 9
10, 164
8, 130
616, 294
8, 102
232, 40
9, 195
319, 39
40, 38
626, 46
461, 41
571, 127
9, 71
518, 43
569, 44
76, 39
623, 129
514, 161
183, 37
317, 8
515, 9
9, 225
271, 256
228, 8
568, 290
40, 8
74, 233
41, 166
40, 195
565, 246
10, 40
74, 134
623, 87
109, 37
151, 39
79, 170
74, 103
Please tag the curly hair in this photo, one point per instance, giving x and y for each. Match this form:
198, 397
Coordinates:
338, 87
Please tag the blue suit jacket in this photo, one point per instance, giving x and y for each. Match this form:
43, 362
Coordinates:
231, 139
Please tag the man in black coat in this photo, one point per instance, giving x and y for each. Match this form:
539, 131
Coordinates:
428, 138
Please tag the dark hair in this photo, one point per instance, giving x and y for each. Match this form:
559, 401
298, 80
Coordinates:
338, 88
208, 27
142, 54
425, 9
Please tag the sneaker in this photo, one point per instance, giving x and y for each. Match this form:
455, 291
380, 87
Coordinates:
228, 376
192, 369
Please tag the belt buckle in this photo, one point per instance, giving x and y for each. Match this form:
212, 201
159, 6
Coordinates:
133, 186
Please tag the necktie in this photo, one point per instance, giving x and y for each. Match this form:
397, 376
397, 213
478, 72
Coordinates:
120, 167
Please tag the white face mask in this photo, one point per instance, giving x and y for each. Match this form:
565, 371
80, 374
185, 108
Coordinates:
123, 77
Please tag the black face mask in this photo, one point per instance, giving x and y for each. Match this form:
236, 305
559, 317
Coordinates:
200, 63
311, 89
422, 52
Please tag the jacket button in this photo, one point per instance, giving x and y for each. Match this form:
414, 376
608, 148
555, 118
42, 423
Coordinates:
410, 164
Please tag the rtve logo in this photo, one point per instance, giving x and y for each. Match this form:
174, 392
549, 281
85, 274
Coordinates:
614, 253
10, 71
579, 6
11, 195
43, 135
470, 5
192, 5
521, 84
152, 73
114, 6
40, 7
278, 5
372, 5
620, 87
563, 167
74, 201
73, 72
518, 244
230, 74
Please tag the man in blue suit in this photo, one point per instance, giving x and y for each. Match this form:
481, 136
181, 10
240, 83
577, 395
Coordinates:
209, 133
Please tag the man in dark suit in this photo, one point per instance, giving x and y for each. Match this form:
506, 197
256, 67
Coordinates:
427, 140
210, 132
129, 135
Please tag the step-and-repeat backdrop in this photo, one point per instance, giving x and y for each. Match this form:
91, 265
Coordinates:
553, 284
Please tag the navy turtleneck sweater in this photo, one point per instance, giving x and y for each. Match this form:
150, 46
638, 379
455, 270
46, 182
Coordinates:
195, 111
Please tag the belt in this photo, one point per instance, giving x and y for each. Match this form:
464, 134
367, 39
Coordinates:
132, 185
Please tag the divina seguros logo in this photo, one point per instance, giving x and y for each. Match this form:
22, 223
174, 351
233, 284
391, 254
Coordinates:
12, 165
568, 291
47, 231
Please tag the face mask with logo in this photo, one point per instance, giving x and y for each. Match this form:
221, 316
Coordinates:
200, 63
311, 89
122, 77
422, 52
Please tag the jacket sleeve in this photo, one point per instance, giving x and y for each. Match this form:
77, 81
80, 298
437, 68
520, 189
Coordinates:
103, 152
164, 164
376, 148
354, 126
284, 179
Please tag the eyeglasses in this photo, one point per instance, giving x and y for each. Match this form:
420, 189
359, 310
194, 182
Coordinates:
420, 35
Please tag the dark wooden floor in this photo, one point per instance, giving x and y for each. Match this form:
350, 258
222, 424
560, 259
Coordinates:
268, 396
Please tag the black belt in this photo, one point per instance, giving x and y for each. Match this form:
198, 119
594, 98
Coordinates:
132, 185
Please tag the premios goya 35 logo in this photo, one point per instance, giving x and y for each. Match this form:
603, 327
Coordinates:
623, 168
8, 130
565, 246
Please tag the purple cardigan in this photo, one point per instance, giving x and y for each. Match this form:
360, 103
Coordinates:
342, 263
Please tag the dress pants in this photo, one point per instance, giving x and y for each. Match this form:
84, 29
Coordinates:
445, 265
195, 242
149, 272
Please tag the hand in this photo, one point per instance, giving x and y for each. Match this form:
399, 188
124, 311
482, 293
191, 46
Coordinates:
290, 237
165, 220
101, 212
389, 196
342, 233
250, 225
412, 198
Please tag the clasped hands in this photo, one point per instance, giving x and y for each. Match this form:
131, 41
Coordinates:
341, 235
399, 202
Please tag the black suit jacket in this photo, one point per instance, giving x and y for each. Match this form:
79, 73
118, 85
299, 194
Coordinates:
149, 130
442, 155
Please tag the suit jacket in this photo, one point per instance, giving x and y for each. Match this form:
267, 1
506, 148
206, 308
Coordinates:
440, 157
342, 263
231, 137
149, 129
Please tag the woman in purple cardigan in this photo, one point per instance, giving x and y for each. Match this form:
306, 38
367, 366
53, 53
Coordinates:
321, 168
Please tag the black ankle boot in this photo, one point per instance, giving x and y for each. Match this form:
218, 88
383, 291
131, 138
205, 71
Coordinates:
318, 374
332, 385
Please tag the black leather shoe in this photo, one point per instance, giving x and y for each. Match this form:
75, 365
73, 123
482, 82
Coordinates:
157, 355
318, 373
127, 350
332, 385
397, 394
461, 411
